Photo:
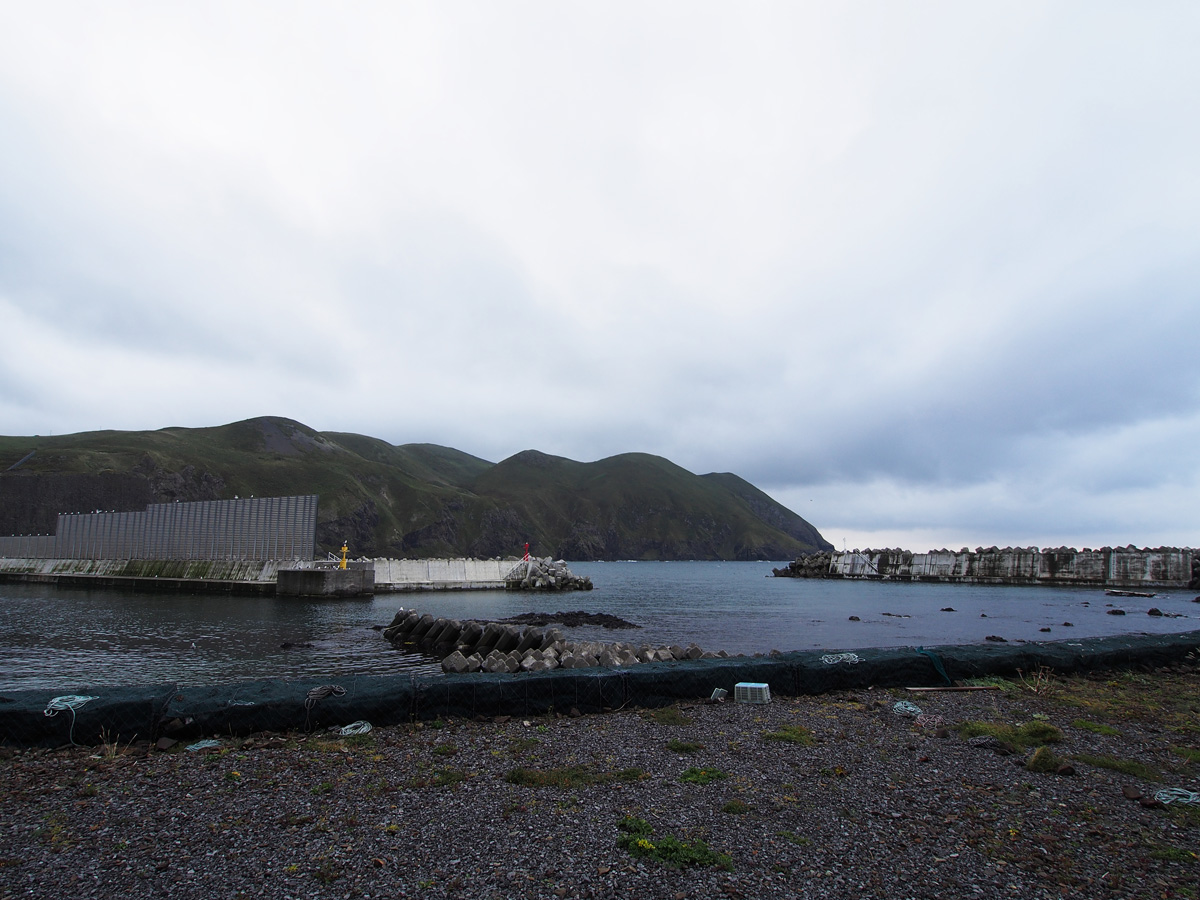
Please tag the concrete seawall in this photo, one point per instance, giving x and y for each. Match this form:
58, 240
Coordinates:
184, 575
250, 576
1122, 567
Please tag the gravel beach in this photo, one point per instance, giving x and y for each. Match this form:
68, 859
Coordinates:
839, 796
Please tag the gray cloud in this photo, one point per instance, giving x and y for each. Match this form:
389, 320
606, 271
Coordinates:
927, 275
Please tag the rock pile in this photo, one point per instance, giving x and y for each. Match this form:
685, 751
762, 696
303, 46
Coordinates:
496, 647
545, 575
811, 565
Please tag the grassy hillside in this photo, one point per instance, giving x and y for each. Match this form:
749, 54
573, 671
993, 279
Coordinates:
414, 500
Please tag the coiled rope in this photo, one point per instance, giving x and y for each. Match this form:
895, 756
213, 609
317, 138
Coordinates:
71, 702
832, 659
1176, 795
204, 745
318, 694
925, 720
362, 726
905, 708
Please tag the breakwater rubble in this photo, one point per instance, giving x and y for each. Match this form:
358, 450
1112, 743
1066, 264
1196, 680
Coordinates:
545, 575
1119, 567
500, 647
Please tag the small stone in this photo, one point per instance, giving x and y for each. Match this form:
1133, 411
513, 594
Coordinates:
1067, 625
1043, 629
1151, 803
1154, 611
855, 619
1116, 612
1131, 793
949, 609
995, 638
165, 743
1065, 769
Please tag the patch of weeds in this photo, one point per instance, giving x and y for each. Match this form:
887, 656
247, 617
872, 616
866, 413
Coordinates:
327, 870
736, 808
669, 715
233, 775
437, 723
1043, 760
447, 777
677, 746
791, 734
391, 829
570, 776
445, 750
1031, 734
54, 833
294, 821
1129, 767
89, 790
835, 772
1188, 753
697, 775
792, 838
360, 741
637, 838
325, 787
1039, 681
520, 745
992, 681
1095, 728
1173, 854
1185, 815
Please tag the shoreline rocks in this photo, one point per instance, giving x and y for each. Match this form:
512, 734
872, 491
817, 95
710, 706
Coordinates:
473, 646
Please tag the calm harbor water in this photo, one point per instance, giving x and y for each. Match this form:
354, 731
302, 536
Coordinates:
60, 640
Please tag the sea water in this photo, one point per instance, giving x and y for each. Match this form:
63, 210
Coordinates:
58, 638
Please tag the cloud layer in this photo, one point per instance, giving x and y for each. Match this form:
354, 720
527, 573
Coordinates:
926, 273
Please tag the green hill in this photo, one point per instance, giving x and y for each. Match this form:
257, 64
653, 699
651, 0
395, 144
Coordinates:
414, 500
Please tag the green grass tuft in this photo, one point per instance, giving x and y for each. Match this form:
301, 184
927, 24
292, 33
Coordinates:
1095, 727
696, 775
1043, 760
791, 734
678, 746
637, 838
669, 715
1124, 766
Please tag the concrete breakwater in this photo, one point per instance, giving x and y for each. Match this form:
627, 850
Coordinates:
476, 574
498, 647
256, 576
1120, 567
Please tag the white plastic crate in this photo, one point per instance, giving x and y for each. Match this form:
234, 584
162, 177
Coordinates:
751, 692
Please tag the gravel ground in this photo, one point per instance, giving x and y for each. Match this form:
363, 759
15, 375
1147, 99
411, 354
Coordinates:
879, 805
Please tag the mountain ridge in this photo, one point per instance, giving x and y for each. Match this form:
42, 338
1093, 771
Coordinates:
413, 499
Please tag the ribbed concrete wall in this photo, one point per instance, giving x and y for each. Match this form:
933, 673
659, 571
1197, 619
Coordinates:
441, 574
247, 528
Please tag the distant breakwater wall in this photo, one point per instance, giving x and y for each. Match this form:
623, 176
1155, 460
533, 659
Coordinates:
1108, 567
238, 576
259, 576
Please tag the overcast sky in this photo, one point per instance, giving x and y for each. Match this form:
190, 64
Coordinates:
927, 273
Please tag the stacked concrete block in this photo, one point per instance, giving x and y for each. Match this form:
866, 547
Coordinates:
545, 575
501, 647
